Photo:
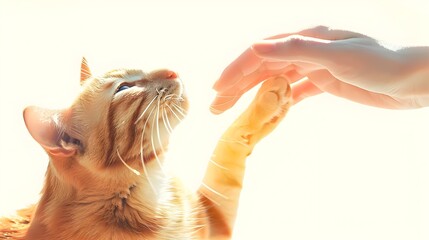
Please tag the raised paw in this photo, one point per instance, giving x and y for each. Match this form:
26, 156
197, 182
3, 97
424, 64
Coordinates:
272, 101
267, 109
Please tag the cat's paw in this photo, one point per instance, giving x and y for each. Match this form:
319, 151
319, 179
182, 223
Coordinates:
272, 100
265, 112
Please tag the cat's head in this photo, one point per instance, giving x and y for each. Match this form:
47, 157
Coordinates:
120, 121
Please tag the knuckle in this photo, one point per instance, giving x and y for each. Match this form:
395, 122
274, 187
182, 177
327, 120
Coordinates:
318, 30
321, 28
295, 41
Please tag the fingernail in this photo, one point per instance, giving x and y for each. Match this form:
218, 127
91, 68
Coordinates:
215, 111
263, 47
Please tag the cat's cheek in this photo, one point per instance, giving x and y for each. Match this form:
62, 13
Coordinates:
62, 165
71, 171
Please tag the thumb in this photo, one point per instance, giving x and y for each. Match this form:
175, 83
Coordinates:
297, 48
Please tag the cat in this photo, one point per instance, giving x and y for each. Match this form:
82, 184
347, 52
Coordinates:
105, 178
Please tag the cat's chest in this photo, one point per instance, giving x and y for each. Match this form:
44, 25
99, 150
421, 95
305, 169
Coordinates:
179, 217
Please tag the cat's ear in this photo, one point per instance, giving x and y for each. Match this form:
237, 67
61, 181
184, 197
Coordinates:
85, 72
45, 127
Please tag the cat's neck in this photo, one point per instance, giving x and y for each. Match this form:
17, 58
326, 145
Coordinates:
123, 208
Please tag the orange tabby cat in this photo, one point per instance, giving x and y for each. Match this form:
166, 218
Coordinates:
105, 178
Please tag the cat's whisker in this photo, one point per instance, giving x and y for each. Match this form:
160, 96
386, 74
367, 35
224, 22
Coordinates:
174, 97
178, 100
144, 111
178, 118
209, 198
157, 127
164, 120
160, 92
179, 105
154, 206
142, 155
153, 145
169, 96
126, 165
179, 110
170, 129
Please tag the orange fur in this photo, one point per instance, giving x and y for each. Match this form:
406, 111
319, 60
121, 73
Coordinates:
16, 226
105, 178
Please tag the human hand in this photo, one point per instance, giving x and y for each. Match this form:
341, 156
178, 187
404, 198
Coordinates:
343, 63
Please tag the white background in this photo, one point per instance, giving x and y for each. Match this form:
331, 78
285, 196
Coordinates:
332, 170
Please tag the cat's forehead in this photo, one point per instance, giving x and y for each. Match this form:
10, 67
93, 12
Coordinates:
125, 74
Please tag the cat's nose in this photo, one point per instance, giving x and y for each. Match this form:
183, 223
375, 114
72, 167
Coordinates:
164, 74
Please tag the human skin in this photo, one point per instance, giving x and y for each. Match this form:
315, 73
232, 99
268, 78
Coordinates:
343, 63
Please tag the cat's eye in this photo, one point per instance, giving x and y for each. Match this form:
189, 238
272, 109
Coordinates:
69, 140
122, 88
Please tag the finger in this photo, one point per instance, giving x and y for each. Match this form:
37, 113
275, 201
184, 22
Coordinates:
304, 89
226, 99
229, 93
323, 80
328, 33
223, 102
243, 70
255, 78
248, 61
300, 48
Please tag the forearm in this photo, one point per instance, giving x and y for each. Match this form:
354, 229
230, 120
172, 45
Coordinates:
223, 181
415, 77
221, 187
